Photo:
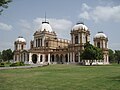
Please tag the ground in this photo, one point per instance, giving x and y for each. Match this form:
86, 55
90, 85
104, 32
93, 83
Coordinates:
62, 77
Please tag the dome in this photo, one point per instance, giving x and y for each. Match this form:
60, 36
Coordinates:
46, 26
80, 26
20, 39
100, 35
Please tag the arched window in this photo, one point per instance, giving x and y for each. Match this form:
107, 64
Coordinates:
76, 39
22, 47
98, 44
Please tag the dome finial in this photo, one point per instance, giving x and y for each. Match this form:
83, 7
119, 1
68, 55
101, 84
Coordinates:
100, 32
45, 16
45, 20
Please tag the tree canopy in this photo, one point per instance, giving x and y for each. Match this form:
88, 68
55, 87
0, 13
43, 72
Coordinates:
111, 56
91, 53
117, 55
4, 4
7, 55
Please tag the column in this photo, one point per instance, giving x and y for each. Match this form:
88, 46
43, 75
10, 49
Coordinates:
38, 59
79, 38
30, 58
43, 41
49, 58
17, 58
43, 58
107, 59
73, 56
78, 56
68, 57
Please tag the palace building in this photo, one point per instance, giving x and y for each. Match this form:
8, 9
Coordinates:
46, 47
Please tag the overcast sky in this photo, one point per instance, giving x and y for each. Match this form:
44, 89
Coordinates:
24, 17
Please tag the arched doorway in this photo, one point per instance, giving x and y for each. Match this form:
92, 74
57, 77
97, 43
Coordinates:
98, 44
76, 57
41, 58
46, 58
52, 58
66, 58
34, 58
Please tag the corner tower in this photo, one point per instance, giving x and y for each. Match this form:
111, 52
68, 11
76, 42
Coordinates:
80, 35
19, 46
101, 41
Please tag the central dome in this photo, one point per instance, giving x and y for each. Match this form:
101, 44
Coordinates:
80, 26
46, 27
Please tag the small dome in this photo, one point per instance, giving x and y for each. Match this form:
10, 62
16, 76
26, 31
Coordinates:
100, 35
46, 26
80, 26
20, 39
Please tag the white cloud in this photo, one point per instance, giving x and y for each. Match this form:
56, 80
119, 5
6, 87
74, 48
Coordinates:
5, 27
60, 26
85, 15
102, 13
85, 7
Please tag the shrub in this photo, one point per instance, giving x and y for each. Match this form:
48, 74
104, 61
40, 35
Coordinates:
2, 65
17, 64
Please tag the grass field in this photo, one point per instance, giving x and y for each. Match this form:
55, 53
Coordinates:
62, 77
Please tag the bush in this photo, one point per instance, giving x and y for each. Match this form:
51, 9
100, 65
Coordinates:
2, 65
17, 64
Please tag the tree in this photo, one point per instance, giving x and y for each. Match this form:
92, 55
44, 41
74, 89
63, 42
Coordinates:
0, 57
7, 55
4, 4
117, 56
91, 53
111, 56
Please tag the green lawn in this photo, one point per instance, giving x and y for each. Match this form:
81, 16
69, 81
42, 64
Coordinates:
62, 77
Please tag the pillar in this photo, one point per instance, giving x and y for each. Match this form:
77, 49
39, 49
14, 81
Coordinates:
73, 57
43, 57
68, 57
79, 38
38, 58
30, 58
78, 56
49, 58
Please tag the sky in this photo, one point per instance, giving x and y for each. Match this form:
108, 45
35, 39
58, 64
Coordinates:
24, 17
